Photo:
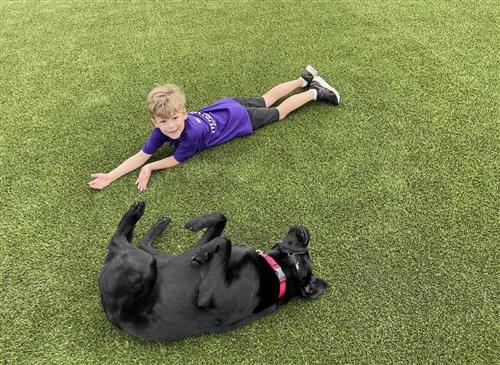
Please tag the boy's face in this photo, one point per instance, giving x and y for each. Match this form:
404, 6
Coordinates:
171, 126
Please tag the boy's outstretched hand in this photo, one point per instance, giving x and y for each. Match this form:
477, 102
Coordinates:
142, 180
100, 181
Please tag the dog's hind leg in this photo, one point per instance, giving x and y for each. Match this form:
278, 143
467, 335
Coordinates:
153, 233
215, 254
214, 222
127, 223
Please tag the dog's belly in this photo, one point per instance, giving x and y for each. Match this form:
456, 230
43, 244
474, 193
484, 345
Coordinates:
176, 314
173, 316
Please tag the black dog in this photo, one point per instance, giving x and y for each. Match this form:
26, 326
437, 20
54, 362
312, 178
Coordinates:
213, 287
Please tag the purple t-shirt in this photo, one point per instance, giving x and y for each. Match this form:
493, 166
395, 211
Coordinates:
212, 125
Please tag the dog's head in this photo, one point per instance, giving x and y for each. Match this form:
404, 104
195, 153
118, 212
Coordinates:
126, 279
295, 256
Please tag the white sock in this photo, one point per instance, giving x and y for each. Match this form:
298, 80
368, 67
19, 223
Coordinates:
315, 93
304, 81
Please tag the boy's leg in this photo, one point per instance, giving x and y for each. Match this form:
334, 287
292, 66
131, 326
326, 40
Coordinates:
294, 102
281, 90
319, 90
264, 116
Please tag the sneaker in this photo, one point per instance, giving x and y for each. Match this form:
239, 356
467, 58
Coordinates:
325, 91
309, 74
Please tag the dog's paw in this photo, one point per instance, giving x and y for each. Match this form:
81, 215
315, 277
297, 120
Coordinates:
198, 260
195, 224
159, 226
136, 210
204, 255
130, 218
163, 222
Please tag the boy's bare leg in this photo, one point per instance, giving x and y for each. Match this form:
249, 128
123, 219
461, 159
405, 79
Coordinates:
294, 102
280, 91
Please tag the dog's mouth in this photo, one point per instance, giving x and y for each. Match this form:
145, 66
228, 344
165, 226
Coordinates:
308, 288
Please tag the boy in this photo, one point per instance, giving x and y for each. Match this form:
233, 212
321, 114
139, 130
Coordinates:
212, 125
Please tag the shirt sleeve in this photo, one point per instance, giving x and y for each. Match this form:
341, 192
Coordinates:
155, 141
188, 147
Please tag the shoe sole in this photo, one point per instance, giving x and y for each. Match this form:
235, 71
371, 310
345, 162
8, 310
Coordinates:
312, 71
326, 85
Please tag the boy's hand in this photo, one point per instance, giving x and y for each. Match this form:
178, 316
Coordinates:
100, 181
142, 180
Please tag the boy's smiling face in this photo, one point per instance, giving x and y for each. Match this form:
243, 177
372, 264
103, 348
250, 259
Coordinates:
173, 125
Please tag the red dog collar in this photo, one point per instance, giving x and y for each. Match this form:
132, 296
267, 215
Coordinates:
279, 272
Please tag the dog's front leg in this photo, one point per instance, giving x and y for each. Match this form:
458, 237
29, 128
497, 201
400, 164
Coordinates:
130, 218
215, 224
152, 234
215, 254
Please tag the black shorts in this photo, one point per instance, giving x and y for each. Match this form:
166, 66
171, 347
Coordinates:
259, 114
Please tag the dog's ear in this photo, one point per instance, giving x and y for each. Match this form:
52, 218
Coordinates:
314, 288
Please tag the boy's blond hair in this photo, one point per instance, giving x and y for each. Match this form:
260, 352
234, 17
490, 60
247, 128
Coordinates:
166, 100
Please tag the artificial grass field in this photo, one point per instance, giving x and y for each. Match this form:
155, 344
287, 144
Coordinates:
398, 186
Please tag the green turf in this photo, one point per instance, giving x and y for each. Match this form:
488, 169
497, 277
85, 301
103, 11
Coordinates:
398, 185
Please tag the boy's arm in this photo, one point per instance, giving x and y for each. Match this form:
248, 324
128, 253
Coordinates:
100, 181
142, 180
163, 164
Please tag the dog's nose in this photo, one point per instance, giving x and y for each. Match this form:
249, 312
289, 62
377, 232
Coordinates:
304, 234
